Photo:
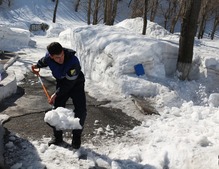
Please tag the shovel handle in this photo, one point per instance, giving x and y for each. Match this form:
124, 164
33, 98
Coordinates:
36, 71
44, 88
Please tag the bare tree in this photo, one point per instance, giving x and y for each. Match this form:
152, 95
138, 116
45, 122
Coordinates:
95, 13
77, 5
216, 23
167, 9
110, 11
153, 9
114, 11
55, 10
130, 1
105, 11
8, 1
137, 8
145, 17
177, 13
89, 12
186, 42
205, 7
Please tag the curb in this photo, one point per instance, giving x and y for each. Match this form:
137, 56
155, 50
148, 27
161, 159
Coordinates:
9, 82
8, 86
2, 132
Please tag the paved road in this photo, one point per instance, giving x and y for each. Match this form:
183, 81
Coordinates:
27, 109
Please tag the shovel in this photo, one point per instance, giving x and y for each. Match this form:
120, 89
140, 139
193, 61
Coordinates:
36, 72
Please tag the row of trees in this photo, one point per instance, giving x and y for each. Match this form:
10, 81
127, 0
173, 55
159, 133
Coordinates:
170, 12
175, 11
5, 1
99, 10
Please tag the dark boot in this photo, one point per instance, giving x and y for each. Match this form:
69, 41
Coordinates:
76, 140
57, 138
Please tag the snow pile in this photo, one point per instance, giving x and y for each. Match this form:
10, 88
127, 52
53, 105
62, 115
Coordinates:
135, 25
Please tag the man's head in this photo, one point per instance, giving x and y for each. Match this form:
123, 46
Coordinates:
56, 52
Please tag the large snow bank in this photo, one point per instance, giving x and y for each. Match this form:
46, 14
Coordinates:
16, 37
110, 58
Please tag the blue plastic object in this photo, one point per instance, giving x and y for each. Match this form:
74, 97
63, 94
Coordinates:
139, 69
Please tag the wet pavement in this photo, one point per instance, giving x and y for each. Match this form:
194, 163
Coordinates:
27, 108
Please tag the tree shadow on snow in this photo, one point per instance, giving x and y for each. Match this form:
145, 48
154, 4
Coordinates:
103, 162
20, 153
10, 101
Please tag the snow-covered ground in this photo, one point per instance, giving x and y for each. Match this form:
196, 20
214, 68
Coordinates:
184, 136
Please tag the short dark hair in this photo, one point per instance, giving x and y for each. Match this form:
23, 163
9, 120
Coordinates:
54, 48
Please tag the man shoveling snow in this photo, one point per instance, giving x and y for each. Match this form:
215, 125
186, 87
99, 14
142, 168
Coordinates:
70, 80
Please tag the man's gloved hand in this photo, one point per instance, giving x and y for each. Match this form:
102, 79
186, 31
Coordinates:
52, 99
35, 69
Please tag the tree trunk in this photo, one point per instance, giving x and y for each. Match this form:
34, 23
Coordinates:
88, 12
186, 42
9, 3
129, 3
114, 12
176, 18
137, 8
166, 12
153, 10
202, 27
203, 17
77, 5
55, 10
95, 14
145, 17
216, 22
105, 12
108, 12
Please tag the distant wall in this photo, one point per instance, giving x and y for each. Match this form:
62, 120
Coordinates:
38, 27
8, 86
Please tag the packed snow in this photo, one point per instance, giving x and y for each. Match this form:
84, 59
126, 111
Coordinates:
62, 119
184, 135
